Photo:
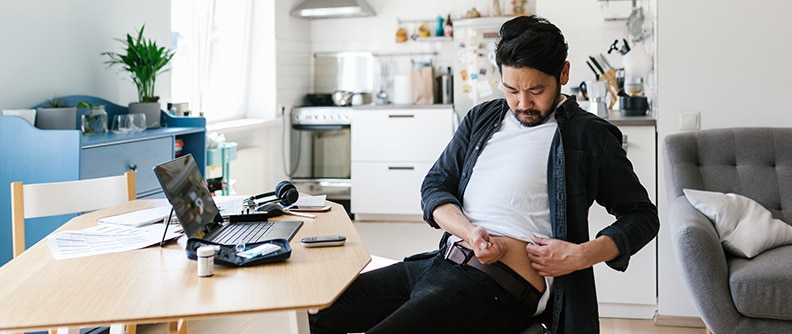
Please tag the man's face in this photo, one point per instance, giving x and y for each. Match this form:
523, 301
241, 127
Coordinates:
531, 94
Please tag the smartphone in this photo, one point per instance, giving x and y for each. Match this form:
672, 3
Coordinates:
320, 208
323, 241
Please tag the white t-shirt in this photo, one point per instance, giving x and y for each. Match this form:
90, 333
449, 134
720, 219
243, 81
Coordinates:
507, 191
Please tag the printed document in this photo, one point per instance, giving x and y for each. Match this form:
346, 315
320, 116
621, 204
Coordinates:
107, 238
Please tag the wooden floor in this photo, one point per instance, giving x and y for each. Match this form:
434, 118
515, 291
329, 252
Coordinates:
278, 323
393, 240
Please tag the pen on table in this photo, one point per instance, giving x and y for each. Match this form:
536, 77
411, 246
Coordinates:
298, 214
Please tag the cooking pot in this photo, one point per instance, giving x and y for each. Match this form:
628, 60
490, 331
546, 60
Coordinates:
320, 99
343, 98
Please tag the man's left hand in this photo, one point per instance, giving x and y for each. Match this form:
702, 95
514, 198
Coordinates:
554, 257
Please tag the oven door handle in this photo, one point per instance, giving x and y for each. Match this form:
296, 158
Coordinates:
320, 127
401, 168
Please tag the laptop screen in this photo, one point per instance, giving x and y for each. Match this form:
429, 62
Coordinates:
183, 184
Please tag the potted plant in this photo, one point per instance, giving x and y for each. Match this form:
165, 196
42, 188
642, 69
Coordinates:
144, 60
56, 114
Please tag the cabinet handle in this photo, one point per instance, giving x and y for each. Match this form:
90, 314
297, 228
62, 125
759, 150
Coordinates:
401, 116
133, 168
400, 168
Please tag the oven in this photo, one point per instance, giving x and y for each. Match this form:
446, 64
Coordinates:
320, 160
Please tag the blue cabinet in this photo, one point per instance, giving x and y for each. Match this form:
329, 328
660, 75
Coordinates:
33, 155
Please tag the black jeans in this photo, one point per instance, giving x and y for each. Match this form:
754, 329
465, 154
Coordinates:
423, 294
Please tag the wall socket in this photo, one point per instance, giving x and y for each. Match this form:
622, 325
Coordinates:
690, 121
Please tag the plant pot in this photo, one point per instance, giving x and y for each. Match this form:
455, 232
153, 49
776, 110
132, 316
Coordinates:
150, 109
57, 118
94, 120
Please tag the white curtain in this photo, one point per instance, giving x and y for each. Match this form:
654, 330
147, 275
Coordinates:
210, 68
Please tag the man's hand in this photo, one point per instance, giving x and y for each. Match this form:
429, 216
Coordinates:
554, 257
488, 249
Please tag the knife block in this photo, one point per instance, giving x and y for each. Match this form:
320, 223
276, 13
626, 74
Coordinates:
613, 86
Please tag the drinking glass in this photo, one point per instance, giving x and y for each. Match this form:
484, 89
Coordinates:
138, 122
122, 124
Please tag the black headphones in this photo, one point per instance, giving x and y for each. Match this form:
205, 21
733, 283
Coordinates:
285, 192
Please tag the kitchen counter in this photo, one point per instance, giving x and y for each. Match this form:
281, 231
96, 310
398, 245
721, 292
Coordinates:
401, 106
615, 117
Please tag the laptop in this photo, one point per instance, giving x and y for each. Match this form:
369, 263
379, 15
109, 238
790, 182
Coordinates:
186, 190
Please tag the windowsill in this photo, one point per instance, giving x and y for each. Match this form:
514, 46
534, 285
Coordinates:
239, 125
247, 132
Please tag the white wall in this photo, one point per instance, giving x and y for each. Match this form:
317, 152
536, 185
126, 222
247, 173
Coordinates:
730, 61
52, 48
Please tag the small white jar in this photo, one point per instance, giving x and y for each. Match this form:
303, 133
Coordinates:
206, 261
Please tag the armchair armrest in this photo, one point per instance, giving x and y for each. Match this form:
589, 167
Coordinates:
701, 261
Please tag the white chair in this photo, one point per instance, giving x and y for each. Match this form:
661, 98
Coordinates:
59, 198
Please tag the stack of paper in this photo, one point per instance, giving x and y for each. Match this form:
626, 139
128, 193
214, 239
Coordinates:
103, 239
139, 218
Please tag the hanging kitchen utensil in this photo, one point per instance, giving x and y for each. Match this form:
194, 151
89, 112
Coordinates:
622, 50
635, 24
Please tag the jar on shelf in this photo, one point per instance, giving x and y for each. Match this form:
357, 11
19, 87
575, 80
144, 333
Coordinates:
94, 120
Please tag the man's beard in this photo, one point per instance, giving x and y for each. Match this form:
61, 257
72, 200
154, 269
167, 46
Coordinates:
537, 117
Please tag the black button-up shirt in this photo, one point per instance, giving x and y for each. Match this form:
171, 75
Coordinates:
586, 164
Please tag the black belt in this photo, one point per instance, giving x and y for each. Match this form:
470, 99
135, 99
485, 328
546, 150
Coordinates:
502, 275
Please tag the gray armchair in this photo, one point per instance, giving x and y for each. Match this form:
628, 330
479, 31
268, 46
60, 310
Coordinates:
732, 294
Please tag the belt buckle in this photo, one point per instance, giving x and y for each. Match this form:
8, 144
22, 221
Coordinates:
468, 253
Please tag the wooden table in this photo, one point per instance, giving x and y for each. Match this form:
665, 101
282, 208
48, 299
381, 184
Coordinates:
155, 285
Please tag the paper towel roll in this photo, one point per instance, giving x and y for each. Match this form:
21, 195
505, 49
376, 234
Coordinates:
402, 89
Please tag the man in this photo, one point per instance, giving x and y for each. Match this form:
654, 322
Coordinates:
512, 190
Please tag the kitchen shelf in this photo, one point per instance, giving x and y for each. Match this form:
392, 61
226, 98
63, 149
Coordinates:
401, 21
405, 54
434, 39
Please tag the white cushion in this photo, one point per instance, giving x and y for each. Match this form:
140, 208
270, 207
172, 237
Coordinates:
745, 227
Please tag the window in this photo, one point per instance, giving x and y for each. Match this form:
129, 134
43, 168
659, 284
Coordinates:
210, 67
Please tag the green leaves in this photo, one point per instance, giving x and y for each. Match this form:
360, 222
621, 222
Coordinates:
56, 102
144, 60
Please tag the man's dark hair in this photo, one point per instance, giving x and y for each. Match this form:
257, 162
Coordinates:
532, 41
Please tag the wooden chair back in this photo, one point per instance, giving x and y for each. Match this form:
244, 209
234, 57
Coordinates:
58, 198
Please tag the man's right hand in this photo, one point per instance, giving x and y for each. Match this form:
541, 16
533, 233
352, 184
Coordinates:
488, 249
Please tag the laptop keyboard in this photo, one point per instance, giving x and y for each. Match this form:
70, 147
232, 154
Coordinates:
247, 232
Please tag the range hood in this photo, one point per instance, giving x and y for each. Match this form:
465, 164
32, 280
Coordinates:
320, 9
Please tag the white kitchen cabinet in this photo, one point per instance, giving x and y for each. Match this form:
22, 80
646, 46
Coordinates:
392, 149
633, 293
